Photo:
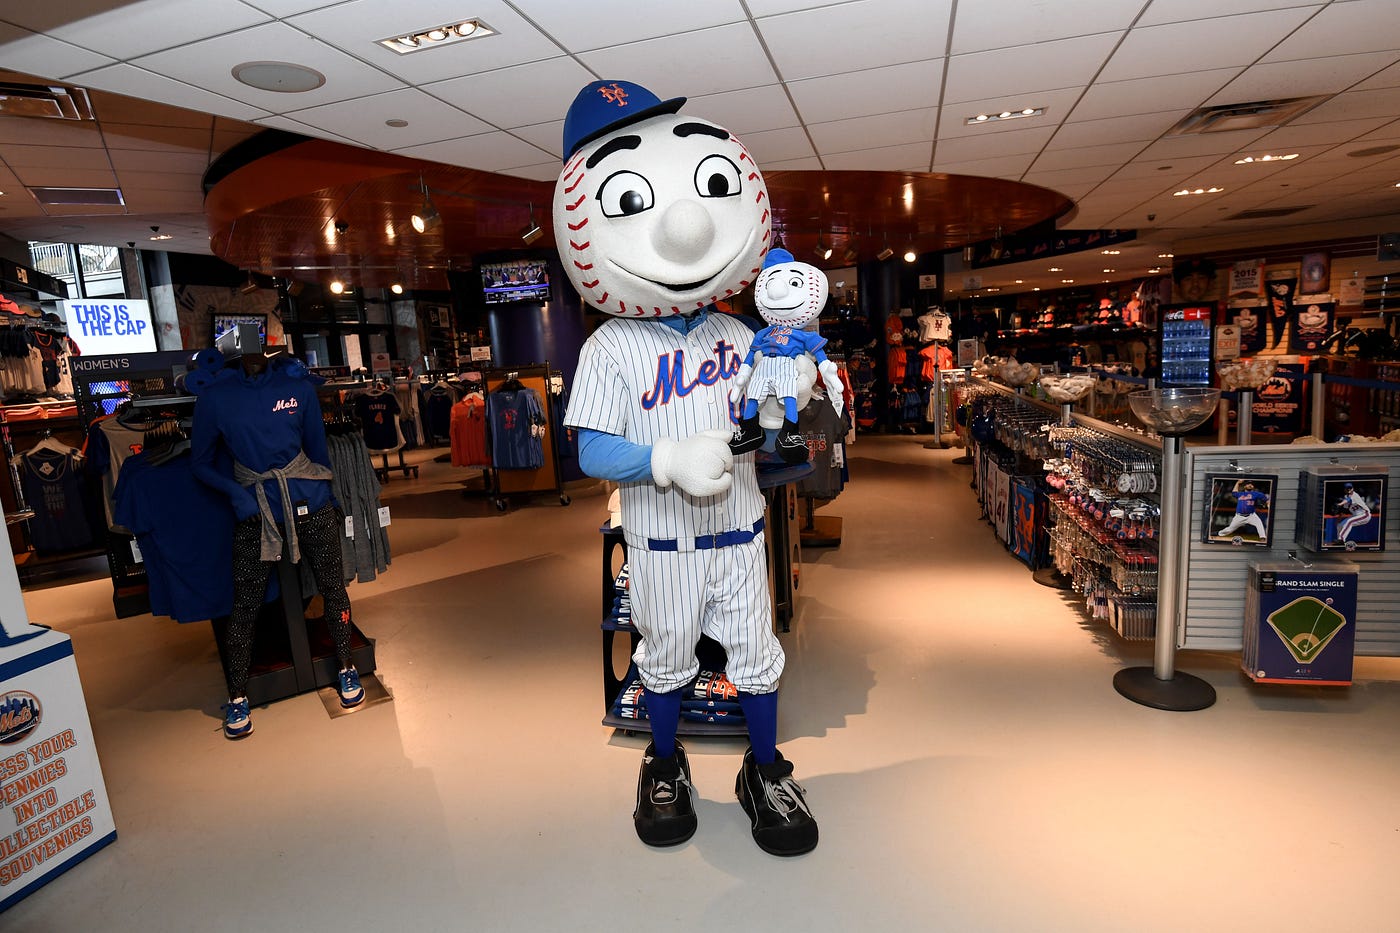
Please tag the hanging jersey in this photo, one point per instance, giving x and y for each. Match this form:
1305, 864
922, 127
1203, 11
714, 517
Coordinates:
110, 444
516, 417
379, 420
437, 408
469, 432
53, 489
823, 430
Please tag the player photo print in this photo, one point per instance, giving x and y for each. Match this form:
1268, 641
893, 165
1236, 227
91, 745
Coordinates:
1239, 509
1353, 513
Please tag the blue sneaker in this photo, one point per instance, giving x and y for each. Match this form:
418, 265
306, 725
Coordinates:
237, 722
351, 693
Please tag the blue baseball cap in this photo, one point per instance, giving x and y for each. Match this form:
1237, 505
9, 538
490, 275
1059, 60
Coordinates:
604, 106
776, 256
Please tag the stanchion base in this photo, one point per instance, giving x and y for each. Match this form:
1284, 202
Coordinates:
1183, 693
964, 459
1049, 576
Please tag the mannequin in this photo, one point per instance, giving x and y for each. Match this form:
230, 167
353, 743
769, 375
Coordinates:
265, 414
662, 216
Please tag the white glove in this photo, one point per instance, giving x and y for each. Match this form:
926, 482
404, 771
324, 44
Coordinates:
835, 389
741, 382
699, 464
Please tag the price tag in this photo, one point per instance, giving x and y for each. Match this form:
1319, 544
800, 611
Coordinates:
838, 455
384, 516
136, 553
349, 526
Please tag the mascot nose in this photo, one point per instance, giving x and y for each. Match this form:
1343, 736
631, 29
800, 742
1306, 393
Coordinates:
776, 287
685, 232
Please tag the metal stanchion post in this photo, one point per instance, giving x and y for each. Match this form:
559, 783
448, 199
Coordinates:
1316, 402
937, 442
1244, 420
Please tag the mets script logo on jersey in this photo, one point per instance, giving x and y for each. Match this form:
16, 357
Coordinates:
670, 374
285, 404
19, 715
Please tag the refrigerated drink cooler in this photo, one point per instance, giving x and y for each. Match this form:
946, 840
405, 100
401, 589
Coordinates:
1186, 346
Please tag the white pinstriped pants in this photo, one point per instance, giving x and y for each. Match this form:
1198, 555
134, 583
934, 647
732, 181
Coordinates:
723, 592
1349, 525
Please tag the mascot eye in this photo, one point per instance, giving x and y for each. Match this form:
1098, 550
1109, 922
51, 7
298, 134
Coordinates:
717, 177
797, 281
624, 194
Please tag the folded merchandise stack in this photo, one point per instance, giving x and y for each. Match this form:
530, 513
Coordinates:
710, 697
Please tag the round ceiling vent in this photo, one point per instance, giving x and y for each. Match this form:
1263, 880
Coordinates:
1372, 151
283, 77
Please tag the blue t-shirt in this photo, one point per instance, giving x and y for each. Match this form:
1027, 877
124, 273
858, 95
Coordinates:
512, 413
1246, 502
263, 421
379, 416
185, 531
780, 340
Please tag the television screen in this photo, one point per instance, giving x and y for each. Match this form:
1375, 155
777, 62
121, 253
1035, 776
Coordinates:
514, 280
225, 322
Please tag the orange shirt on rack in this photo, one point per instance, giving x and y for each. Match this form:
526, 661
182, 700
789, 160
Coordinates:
468, 432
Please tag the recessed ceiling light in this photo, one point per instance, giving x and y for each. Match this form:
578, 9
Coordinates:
1247, 160
337, 287
1035, 288
1005, 115
396, 288
1066, 281
1022, 281
1193, 191
1110, 270
1112, 252
163, 236
1154, 270
437, 36
1056, 269
396, 123
282, 77
1165, 255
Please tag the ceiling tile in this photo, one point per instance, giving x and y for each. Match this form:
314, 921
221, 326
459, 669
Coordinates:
774, 7
887, 129
1070, 176
156, 138
1354, 105
545, 171
1343, 29
296, 126
1189, 11
861, 93
605, 23
1276, 80
209, 64
17, 155
488, 152
137, 82
1113, 155
363, 119
493, 95
80, 210
358, 26
1389, 77
705, 62
547, 136
119, 108
1386, 132
992, 26
1012, 142
796, 165
1166, 170
31, 131
748, 110
163, 181
1016, 72
1140, 128
133, 29
1204, 144
1305, 134
1055, 103
26, 51
62, 176
1181, 48
1108, 99
819, 42
1011, 166
886, 159
149, 200
189, 162
778, 145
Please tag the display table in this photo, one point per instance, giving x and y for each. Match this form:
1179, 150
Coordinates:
55, 807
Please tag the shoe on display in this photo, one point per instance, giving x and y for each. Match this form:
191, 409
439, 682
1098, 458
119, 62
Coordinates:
782, 823
237, 721
747, 436
351, 693
791, 445
665, 814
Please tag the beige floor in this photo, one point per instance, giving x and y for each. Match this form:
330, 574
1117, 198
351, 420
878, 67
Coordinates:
954, 723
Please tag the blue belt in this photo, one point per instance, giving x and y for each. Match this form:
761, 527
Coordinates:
707, 542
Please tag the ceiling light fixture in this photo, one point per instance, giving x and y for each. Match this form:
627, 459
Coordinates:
1112, 252
823, 250
163, 236
1056, 269
851, 254
909, 254
427, 217
1066, 281
1247, 160
1110, 270
532, 231
437, 36
281, 77
1165, 255
396, 288
1186, 191
1005, 115
250, 286
337, 287
885, 253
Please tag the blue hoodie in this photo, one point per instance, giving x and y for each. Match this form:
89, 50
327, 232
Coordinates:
264, 421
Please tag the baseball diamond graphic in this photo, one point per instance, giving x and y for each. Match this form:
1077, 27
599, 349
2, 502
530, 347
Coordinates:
1306, 626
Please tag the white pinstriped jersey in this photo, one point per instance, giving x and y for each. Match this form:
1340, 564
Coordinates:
1356, 505
644, 380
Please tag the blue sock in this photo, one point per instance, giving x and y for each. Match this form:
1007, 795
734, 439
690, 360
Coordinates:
790, 409
664, 711
761, 713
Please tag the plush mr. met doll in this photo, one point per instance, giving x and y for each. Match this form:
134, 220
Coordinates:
789, 295
659, 216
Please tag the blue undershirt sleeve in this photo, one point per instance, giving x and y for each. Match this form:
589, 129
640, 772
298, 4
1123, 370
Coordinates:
608, 456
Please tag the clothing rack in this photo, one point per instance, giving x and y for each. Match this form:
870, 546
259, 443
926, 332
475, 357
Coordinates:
548, 478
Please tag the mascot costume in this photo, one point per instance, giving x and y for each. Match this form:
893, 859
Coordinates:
659, 216
789, 295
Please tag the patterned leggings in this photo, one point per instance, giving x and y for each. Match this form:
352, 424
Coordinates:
319, 536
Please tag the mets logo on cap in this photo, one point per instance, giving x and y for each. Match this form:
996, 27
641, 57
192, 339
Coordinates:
603, 106
19, 715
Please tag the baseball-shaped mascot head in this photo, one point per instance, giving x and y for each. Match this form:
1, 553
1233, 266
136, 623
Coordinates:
789, 292
655, 213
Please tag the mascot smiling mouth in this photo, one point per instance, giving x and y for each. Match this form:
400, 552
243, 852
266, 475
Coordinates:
684, 287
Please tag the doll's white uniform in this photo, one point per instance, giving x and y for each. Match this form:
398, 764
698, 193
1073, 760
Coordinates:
697, 564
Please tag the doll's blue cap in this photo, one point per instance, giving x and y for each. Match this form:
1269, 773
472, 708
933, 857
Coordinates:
777, 256
604, 106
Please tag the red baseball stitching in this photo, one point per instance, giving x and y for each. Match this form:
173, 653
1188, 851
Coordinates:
581, 224
574, 206
570, 189
592, 284
584, 245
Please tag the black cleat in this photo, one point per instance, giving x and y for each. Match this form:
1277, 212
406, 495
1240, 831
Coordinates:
782, 823
665, 814
747, 436
791, 445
